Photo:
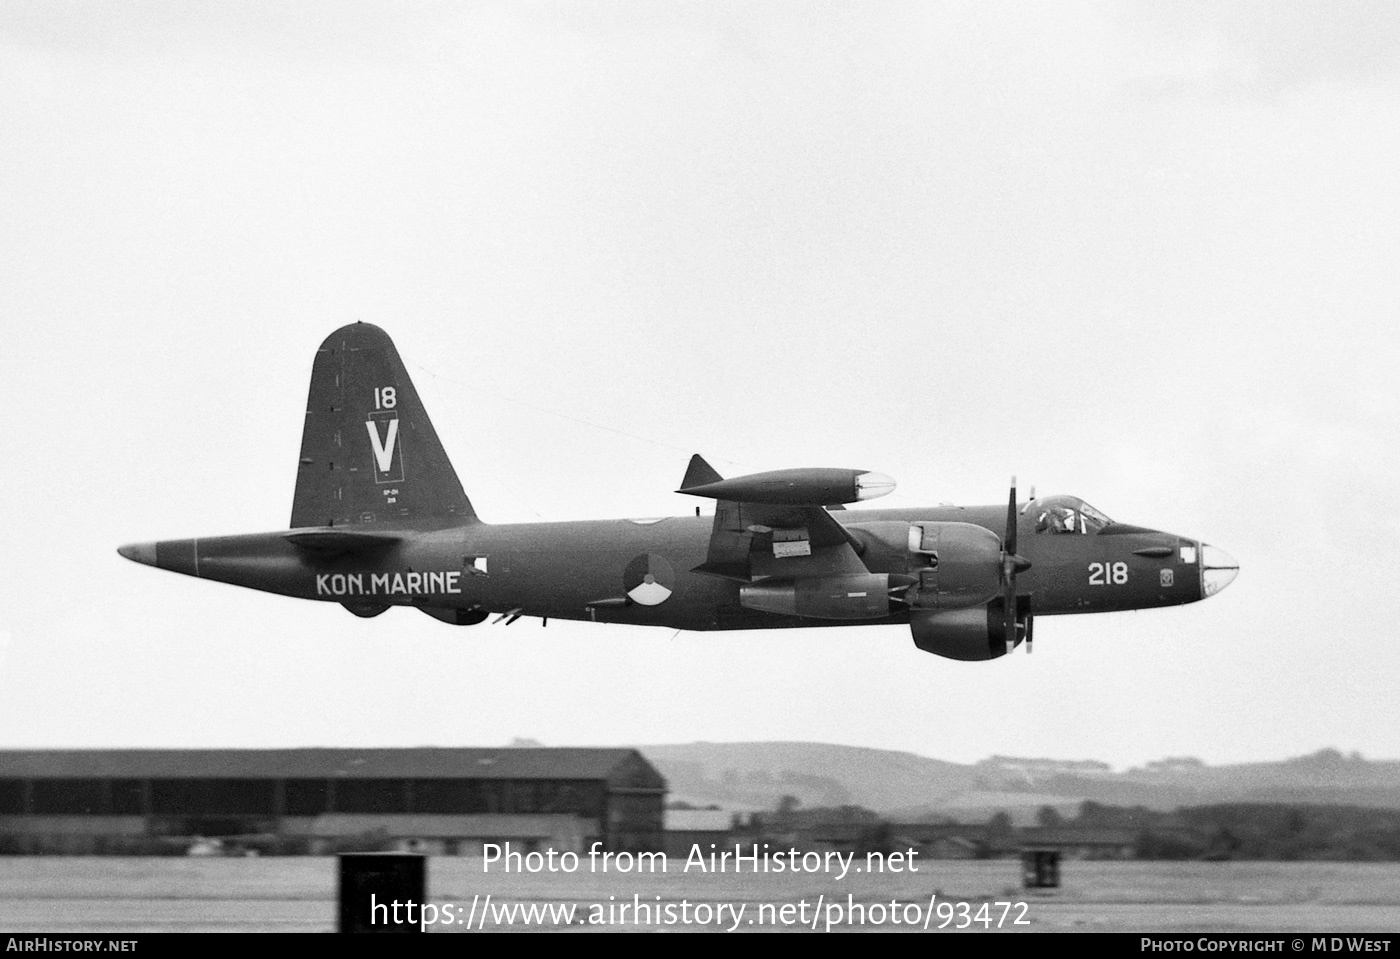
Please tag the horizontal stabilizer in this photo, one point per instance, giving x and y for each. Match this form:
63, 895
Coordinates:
333, 542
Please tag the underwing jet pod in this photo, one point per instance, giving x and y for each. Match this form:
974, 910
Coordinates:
379, 519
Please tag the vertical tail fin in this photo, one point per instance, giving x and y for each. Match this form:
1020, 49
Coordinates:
369, 455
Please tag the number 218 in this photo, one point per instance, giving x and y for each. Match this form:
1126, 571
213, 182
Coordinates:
1102, 574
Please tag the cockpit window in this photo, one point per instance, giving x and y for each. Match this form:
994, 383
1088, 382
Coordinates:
1093, 520
1066, 514
1056, 519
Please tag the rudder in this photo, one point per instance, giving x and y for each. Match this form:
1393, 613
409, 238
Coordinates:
369, 453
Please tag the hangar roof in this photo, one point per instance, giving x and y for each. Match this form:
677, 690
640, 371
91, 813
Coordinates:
619, 767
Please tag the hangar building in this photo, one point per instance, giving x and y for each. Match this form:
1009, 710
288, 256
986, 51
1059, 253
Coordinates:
320, 801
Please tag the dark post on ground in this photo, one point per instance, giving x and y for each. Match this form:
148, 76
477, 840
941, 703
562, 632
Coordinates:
1041, 868
371, 883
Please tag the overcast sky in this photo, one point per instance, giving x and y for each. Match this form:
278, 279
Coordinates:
1146, 254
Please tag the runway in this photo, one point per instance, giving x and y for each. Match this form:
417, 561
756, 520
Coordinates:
294, 894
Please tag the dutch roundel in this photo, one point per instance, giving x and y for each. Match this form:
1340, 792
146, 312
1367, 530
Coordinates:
649, 580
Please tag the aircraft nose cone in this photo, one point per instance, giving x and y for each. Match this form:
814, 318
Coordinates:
1218, 569
144, 553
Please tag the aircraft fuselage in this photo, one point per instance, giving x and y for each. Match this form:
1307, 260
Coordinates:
577, 570
380, 519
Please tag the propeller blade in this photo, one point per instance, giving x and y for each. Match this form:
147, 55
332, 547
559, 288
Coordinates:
1010, 541
1009, 606
1008, 570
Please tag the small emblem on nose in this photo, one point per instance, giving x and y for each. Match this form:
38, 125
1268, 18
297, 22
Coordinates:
1168, 577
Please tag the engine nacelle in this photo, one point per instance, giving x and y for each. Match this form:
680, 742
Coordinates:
939, 565
454, 616
858, 596
965, 634
961, 565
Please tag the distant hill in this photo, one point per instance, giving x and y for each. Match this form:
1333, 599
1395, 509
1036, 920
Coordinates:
752, 776
755, 775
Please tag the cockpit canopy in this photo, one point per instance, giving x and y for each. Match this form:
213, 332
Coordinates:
1066, 514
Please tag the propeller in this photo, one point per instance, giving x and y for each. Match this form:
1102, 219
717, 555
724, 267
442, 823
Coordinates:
1011, 564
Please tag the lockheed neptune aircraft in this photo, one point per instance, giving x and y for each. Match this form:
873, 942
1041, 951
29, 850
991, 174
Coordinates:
379, 519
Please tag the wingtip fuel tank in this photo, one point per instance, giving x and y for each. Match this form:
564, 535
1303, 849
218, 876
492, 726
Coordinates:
797, 487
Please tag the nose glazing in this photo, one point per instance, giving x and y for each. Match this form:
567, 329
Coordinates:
1218, 569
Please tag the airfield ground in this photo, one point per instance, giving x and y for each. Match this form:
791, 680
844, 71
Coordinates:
73, 894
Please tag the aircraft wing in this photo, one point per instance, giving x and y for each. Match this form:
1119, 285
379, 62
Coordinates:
756, 540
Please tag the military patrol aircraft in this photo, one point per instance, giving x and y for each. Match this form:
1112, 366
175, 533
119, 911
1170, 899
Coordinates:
379, 519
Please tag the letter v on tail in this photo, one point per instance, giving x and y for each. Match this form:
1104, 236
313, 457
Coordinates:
383, 450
